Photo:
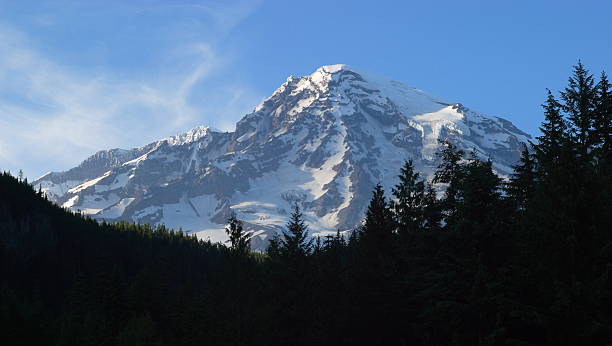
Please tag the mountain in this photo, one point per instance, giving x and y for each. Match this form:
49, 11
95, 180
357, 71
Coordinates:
322, 141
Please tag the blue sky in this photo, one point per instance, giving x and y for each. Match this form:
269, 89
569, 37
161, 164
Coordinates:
80, 76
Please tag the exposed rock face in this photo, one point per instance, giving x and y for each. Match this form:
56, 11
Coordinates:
322, 141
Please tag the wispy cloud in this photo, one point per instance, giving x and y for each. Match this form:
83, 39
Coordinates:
52, 116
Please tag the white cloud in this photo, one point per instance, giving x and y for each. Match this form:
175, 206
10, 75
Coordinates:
52, 116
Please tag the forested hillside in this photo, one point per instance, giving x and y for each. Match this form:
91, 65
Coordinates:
526, 261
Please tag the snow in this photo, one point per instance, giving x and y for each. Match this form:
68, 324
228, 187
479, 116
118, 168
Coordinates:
191, 214
246, 136
136, 161
119, 182
89, 211
70, 202
301, 105
411, 101
378, 107
190, 136
325, 174
116, 210
150, 210
213, 235
96, 203
89, 183
60, 189
431, 125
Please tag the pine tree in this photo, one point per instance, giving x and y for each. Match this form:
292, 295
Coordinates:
432, 214
273, 249
409, 206
479, 194
522, 183
333, 243
579, 99
554, 133
449, 172
449, 167
295, 242
378, 225
239, 239
602, 125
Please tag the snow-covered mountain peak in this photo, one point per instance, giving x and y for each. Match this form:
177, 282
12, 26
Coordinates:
333, 68
345, 86
193, 135
322, 140
324, 74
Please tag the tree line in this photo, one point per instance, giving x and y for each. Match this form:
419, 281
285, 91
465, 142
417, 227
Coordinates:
467, 258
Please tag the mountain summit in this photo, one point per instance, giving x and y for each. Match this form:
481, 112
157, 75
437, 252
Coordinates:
322, 140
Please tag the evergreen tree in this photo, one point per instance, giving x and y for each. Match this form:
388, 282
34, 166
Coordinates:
408, 208
334, 244
295, 242
554, 136
522, 183
378, 225
602, 125
580, 98
432, 215
273, 249
239, 239
479, 194
449, 172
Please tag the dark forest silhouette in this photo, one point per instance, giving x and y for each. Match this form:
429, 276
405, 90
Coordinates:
527, 261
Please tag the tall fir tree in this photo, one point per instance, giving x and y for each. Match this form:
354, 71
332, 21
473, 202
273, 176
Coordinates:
602, 125
432, 214
521, 186
239, 239
579, 102
479, 194
409, 204
273, 249
449, 172
295, 242
378, 225
554, 133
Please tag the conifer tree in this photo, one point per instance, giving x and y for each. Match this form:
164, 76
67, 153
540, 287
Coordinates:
410, 200
239, 239
295, 242
479, 193
602, 125
273, 249
522, 183
449, 172
432, 215
378, 225
554, 136
579, 102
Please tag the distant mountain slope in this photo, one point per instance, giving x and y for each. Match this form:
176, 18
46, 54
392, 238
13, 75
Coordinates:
322, 140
